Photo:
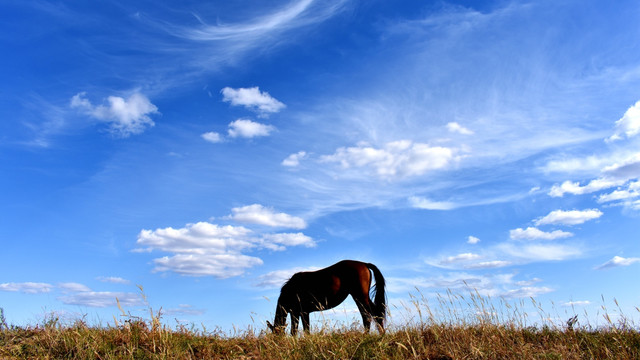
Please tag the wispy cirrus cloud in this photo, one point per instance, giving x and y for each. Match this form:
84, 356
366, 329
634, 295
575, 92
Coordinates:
570, 217
532, 233
618, 261
27, 287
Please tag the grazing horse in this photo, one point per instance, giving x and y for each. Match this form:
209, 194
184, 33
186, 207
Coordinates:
326, 288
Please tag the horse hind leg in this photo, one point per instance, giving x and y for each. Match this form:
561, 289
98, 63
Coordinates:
364, 307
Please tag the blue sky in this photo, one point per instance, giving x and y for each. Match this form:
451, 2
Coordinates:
208, 150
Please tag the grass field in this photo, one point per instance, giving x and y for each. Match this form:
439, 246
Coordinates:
456, 327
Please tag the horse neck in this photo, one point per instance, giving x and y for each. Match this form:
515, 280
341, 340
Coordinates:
281, 314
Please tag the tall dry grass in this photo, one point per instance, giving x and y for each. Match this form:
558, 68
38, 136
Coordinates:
451, 327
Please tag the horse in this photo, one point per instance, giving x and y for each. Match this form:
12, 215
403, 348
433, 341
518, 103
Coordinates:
310, 291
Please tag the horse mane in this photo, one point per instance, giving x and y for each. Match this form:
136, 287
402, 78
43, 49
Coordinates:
293, 281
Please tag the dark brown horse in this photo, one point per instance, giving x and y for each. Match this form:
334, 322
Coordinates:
326, 288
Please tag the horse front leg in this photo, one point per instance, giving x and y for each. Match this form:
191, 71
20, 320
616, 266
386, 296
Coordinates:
305, 322
294, 323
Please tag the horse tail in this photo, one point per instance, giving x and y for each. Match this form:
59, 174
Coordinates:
380, 301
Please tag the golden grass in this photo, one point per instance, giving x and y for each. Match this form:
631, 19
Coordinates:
456, 327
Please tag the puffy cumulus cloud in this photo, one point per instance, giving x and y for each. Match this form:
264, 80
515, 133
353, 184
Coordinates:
248, 129
124, 116
261, 215
454, 127
629, 124
293, 160
532, 233
201, 249
472, 240
617, 261
396, 159
571, 217
27, 287
253, 99
212, 137
198, 238
217, 265
205, 249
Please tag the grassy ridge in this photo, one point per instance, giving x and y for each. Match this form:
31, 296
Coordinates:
457, 327
137, 340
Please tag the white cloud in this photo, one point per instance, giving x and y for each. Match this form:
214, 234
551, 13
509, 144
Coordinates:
113, 280
124, 116
472, 240
460, 258
457, 128
426, 204
258, 214
495, 285
617, 261
212, 137
532, 233
576, 303
249, 129
279, 242
625, 169
572, 217
631, 192
102, 299
27, 287
576, 189
253, 99
73, 287
397, 159
538, 252
201, 249
199, 238
205, 249
488, 264
293, 160
217, 265
629, 124
527, 292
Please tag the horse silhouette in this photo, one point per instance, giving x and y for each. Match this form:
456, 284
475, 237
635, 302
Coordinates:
310, 291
